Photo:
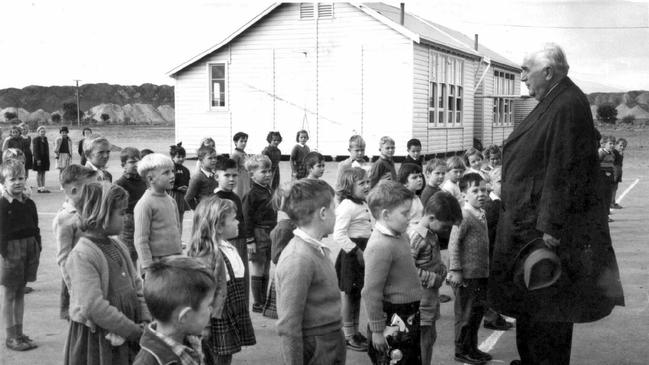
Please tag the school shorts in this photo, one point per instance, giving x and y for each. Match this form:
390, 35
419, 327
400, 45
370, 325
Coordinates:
20, 264
262, 243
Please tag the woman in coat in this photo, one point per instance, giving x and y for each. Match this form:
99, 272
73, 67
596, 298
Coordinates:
41, 149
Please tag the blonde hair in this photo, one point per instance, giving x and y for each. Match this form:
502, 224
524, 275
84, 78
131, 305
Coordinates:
90, 143
346, 180
385, 140
98, 200
255, 162
152, 162
356, 140
209, 218
13, 154
11, 168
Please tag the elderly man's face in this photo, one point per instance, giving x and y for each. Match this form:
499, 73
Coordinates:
535, 76
99, 155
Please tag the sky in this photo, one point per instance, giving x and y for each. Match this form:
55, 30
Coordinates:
130, 42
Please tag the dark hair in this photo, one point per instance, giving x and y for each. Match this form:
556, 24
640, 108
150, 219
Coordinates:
306, 197
176, 281
86, 129
470, 179
204, 151
177, 150
311, 159
622, 140
492, 150
145, 152
301, 131
64, 129
413, 142
444, 207
239, 135
223, 163
128, 152
73, 174
388, 195
470, 152
406, 170
273, 135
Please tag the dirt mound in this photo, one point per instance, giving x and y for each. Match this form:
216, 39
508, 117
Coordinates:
114, 111
639, 113
143, 114
20, 112
167, 112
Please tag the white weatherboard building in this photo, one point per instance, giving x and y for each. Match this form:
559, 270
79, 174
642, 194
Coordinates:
337, 69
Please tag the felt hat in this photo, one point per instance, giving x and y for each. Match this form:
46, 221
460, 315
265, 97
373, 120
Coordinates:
537, 266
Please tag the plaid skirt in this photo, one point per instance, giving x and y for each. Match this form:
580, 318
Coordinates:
270, 307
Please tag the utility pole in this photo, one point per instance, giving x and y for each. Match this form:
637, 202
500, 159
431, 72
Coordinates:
78, 106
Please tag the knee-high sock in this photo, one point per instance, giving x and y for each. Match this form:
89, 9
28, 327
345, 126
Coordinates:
256, 284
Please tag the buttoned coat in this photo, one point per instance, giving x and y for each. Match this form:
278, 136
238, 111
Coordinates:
551, 184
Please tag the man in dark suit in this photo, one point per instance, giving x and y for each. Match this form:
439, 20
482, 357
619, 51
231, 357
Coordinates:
550, 182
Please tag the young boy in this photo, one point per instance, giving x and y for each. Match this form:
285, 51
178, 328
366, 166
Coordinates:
260, 218
435, 171
410, 176
178, 292
383, 168
239, 155
227, 176
442, 211
66, 222
157, 231
618, 162
97, 152
607, 168
133, 183
455, 167
308, 298
392, 285
314, 163
356, 155
468, 251
202, 183
415, 157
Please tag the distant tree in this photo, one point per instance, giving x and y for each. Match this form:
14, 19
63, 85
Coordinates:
607, 113
70, 111
105, 117
56, 118
10, 115
629, 119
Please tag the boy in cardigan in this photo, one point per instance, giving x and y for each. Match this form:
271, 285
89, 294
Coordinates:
468, 251
202, 183
178, 292
157, 227
383, 168
441, 212
308, 298
392, 285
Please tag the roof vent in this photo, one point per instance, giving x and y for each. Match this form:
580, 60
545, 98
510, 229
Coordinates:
325, 10
307, 10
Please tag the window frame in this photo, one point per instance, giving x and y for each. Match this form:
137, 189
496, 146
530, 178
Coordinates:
503, 107
210, 86
445, 90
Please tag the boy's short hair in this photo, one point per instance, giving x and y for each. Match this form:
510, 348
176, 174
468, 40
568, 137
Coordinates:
239, 135
13, 154
207, 140
176, 281
471, 152
406, 170
74, 174
445, 207
301, 131
256, 162
312, 158
455, 162
223, 163
609, 138
90, 143
622, 140
387, 195
145, 152
434, 164
177, 150
385, 140
413, 142
273, 135
152, 162
11, 168
356, 140
468, 180
128, 153
204, 151
306, 197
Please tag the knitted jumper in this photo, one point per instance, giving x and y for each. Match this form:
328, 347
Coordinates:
157, 231
468, 247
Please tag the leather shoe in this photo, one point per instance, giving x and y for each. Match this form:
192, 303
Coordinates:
498, 325
481, 355
516, 362
468, 359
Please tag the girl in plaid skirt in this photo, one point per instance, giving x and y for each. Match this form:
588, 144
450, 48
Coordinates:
230, 326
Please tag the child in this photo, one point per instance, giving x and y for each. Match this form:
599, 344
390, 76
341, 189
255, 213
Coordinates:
607, 168
391, 281
356, 155
352, 229
308, 300
414, 152
227, 175
66, 223
214, 222
41, 149
20, 248
157, 231
280, 236
145, 151
14, 140
442, 211
260, 218
86, 133
493, 155
468, 251
205, 142
135, 186
435, 171
107, 308
473, 158
314, 163
618, 162
16, 154
178, 293
181, 181
97, 151
239, 155
455, 167
300, 151
383, 168
410, 177
275, 155
202, 183
26, 148
63, 149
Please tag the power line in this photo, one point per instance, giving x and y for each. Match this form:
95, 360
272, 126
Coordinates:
561, 27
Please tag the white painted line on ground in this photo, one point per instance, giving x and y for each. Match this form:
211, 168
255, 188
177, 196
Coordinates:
489, 343
628, 189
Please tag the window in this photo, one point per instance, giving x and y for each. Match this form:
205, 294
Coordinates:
217, 85
445, 90
503, 106
324, 10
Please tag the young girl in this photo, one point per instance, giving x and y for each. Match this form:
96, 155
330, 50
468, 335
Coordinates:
20, 248
240, 140
473, 158
279, 238
14, 140
107, 308
230, 326
275, 155
41, 149
205, 142
27, 148
297, 155
63, 149
352, 229
181, 180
